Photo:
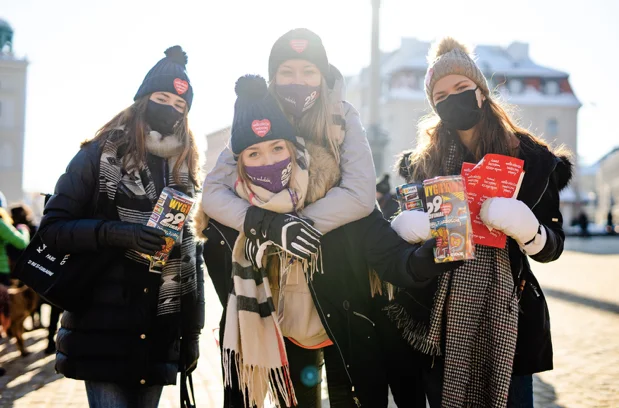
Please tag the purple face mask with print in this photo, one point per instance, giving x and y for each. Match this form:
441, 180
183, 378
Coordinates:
273, 177
296, 98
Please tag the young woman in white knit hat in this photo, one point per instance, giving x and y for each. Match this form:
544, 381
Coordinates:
487, 329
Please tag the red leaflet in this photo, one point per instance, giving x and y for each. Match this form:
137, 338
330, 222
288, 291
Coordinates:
494, 176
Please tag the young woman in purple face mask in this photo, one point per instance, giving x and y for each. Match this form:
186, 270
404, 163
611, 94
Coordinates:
303, 297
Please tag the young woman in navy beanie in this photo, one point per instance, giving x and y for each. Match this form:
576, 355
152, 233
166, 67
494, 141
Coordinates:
310, 92
142, 324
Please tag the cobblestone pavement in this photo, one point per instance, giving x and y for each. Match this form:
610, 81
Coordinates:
583, 298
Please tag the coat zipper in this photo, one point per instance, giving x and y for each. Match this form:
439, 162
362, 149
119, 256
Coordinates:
335, 343
364, 317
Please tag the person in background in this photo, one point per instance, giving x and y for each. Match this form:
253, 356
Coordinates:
143, 324
387, 201
5, 316
17, 237
487, 326
23, 214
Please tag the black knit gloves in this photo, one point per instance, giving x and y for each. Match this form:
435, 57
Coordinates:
290, 233
127, 235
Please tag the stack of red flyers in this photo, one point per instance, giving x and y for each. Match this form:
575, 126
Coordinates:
494, 176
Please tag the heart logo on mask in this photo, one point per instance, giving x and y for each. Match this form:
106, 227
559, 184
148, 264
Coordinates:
261, 127
180, 86
456, 241
298, 45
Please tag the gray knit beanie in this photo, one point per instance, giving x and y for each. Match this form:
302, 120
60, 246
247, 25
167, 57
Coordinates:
449, 57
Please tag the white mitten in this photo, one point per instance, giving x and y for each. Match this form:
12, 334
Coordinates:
412, 226
511, 216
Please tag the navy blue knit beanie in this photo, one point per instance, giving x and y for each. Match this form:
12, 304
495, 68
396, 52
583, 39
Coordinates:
257, 116
168, 75
299, 43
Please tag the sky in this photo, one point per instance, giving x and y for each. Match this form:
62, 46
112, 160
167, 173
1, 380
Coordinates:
87, 59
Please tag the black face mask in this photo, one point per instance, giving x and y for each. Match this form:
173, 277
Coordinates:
460, 111
162, 118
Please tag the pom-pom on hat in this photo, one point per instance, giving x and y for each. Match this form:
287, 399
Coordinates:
299, 43
257, 116
168, 75
450, 57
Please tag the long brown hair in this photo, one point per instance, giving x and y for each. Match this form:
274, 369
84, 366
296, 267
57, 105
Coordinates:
132, 121
316, 125
496, 133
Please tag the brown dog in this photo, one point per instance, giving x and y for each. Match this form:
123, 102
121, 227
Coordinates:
23, 301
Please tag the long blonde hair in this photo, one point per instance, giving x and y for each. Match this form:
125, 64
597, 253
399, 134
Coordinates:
316, 125
496, 132
132, 120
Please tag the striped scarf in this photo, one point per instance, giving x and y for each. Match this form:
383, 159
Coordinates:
134, 196
476, 309
253, 339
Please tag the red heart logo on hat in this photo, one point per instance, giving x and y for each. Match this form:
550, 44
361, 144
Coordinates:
180, 86
261, 127
298, 45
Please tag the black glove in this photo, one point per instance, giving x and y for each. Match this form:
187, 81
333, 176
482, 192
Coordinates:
422, 266
251, 250
127, 235
288, 232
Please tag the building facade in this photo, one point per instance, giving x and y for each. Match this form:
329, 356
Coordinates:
542, 98
607, 186
216, 142
12, 116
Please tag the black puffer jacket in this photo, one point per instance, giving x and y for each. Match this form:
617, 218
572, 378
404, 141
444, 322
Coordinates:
342, 293
546, 174
118, 338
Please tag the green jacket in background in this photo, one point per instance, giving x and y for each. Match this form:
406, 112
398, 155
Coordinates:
10, 236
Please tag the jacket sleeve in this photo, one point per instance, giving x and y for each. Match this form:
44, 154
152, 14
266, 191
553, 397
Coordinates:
218, 198
355, 197
12, 236
548, 214
386, 252
67, 225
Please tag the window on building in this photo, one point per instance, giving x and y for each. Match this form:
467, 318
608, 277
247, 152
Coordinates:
515, 86
552, 87
552, 128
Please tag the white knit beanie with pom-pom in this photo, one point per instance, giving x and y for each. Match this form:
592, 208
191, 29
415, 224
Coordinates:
450, 57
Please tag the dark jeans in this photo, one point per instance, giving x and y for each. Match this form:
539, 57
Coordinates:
306, 370
521, 392
110, 395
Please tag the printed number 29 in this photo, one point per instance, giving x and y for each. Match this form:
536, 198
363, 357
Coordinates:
174, 219
435, 205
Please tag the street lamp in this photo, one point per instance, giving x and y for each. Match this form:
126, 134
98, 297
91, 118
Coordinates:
377, 137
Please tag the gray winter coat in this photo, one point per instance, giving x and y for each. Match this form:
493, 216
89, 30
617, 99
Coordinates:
352, 200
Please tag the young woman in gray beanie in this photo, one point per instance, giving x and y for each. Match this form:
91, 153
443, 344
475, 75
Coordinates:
486, 330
